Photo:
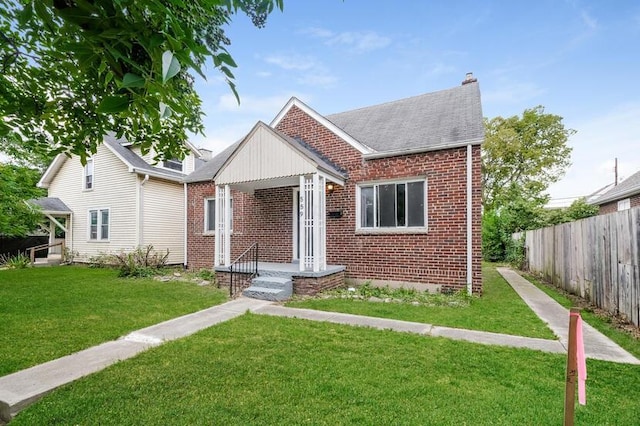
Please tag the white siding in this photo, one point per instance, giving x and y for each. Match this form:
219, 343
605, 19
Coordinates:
188, 163
264, 156
114, 188
163, 213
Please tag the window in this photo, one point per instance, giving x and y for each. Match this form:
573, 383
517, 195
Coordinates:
99, 224
173, 164
624, 204
210, 215
392, 205
88, 174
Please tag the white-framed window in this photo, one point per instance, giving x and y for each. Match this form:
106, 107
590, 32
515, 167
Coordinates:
88, 174
624, 204
173, 164
392, 205
210, 215
99, 224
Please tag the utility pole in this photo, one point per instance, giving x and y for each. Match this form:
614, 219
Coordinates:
615, 172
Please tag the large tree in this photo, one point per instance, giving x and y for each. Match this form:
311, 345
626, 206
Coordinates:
522, 156
73, 70
17, 184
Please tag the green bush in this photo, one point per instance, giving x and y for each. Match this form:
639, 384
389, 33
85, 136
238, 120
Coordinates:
142, 262
18, 261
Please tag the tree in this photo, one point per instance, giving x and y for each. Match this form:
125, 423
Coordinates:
73, 70
522, 156
17, 184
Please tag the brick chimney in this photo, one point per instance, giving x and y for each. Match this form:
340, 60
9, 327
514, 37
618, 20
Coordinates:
469, 78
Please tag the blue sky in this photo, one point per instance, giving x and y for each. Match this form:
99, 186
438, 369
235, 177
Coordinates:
579, 59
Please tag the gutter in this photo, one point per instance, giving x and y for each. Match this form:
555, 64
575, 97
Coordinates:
438, 147
185, 225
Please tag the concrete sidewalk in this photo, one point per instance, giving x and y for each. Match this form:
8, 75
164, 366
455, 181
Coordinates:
22, 388
596, 344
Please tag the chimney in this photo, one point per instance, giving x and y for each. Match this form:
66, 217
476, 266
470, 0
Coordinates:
206, 154
469, 78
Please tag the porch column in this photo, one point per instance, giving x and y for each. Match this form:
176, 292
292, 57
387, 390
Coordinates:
52, 237
227, 225
222, 249
302, 258
312, 220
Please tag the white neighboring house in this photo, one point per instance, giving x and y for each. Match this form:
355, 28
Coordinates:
118, 201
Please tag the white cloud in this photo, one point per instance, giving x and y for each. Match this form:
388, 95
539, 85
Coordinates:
356, 41
318, 80
441, 69
265, 106
291, 62
599, 140
360, 42
588, 20
263, 74
318, 32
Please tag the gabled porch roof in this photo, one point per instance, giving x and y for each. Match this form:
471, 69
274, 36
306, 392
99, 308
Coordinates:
266, 158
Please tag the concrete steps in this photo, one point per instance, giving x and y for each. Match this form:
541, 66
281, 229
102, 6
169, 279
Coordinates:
270, 288
52, 260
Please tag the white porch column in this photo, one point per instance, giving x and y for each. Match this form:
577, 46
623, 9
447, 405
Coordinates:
227, 225
219, 249
302, 225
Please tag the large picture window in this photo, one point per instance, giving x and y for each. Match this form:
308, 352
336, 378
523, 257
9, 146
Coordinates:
99, 224
392, 205
210, 215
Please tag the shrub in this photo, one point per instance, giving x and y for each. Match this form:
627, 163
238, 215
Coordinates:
142, 262
19, 261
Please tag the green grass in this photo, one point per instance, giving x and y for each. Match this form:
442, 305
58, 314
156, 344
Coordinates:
46, 313
259, 370
499, 310
601, 323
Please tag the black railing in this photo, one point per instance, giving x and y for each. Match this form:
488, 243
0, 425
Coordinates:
243, 270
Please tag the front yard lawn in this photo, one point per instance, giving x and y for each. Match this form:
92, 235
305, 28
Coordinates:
46, 313
269, 370
499, 310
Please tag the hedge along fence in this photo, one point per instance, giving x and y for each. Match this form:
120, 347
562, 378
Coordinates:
596, 258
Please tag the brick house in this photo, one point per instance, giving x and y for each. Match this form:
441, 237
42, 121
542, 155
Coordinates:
620, 197
388, 193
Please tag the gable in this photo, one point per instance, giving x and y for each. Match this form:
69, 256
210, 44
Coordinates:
263, 155
294, 102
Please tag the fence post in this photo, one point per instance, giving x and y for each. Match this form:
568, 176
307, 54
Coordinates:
572, 369
32, 254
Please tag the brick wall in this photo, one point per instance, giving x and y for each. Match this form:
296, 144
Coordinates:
613, 206
437, 257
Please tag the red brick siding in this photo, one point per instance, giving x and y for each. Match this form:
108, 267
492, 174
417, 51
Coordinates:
613, 206
438, 257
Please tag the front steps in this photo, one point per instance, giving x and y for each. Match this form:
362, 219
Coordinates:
51, 260
275, 289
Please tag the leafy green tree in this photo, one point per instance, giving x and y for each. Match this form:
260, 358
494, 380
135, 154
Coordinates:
580, 209
73, 70
522, 156
17, 184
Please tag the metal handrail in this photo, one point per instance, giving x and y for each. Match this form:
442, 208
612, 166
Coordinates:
244, 269
34, 249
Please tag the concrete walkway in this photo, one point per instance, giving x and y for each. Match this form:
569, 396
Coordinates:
596, 344
22, 388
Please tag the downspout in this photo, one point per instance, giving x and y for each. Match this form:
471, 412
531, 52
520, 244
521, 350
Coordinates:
469, 221
185, 224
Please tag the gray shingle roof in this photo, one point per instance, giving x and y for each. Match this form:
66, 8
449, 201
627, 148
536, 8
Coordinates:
210, 168
51, 204
626, 188
433, 120
136, 161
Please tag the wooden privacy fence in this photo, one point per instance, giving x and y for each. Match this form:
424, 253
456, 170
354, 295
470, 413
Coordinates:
596, 258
